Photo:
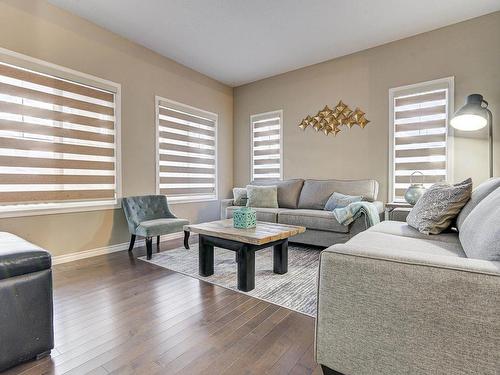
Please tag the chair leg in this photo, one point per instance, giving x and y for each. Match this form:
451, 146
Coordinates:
149, 248
186, 239
132, 241
157, 244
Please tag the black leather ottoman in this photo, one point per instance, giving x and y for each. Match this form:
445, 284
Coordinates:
26, 312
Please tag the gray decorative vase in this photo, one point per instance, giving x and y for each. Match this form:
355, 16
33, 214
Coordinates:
416, 190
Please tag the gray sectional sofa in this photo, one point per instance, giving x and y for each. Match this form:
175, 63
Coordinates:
301, 202
392, 300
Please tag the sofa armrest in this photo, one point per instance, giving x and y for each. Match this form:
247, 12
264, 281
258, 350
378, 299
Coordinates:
382, 312
380, 206
361, 223
225, 203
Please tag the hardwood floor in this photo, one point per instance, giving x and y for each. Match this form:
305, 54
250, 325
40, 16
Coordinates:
116, 314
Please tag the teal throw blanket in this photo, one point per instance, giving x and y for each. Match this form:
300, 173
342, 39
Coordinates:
346, 215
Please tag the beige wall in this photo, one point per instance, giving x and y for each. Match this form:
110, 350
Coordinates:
40, 30
469, 51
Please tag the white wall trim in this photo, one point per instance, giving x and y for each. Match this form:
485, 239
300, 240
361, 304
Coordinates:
448, 83
59, 259
45, 67
257, 117
197, 112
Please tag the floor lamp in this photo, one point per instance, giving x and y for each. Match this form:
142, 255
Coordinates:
475, 115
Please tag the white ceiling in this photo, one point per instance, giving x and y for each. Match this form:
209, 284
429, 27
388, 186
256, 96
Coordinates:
240, 41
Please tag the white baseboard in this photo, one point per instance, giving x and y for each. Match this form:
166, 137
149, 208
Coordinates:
108, 249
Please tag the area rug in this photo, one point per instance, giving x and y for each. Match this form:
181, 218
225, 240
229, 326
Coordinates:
295, 290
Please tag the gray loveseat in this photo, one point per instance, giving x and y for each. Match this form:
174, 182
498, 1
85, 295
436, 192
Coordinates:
301, 202
395, 301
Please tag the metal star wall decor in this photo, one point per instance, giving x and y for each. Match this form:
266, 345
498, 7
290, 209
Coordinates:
330, 121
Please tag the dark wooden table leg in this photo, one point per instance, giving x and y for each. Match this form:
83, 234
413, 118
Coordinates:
206, 257
246, 269
186, 239
157, 244
280, 258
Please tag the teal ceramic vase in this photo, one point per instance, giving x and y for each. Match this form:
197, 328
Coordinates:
244, 218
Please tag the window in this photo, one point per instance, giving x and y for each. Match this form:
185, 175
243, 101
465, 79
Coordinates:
266, 146
58, 137
186, 152
419, 134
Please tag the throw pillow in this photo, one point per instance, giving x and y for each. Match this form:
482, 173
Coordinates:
435, 211
480, 232
240, 196
478, 194
262, 196
338, 200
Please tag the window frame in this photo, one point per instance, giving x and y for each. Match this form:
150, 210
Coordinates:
45, 67
256, 117
196, 112
441, 83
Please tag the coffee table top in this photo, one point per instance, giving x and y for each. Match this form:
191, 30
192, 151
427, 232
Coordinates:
263, 233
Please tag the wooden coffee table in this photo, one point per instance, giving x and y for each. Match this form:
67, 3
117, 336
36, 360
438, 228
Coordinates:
245, 242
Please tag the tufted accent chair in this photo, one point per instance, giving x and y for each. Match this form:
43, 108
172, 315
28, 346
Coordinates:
149, 216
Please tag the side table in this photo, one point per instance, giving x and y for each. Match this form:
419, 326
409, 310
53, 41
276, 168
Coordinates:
391, 206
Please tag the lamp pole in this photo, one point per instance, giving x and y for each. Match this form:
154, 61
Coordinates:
490, 135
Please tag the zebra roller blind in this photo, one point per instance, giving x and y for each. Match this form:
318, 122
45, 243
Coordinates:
57, 139
187, 139
420, 128
266, 146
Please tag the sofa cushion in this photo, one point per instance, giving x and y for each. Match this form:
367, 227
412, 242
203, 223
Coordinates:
263, 214
315, 193
19, 257
157, 227
436, 210
288, 191
478, 194
480, 234
371, 239
400, 228
312, 219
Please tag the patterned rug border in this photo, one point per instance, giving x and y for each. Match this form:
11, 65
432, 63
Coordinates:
143, 258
